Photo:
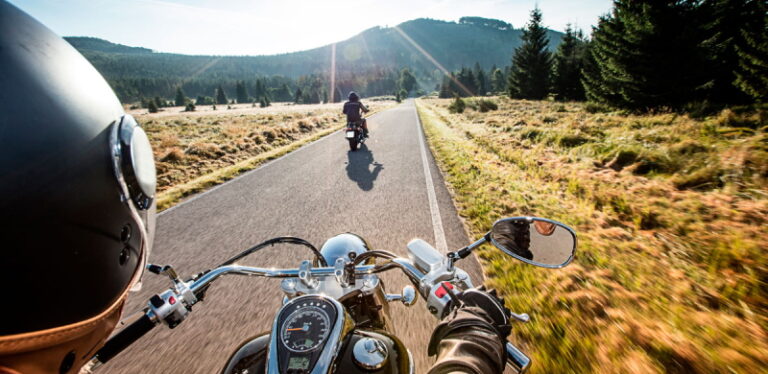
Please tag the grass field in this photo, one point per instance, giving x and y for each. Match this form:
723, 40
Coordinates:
197, 150
671, 273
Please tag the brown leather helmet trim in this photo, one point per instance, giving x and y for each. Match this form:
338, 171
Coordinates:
36, 340
44, 351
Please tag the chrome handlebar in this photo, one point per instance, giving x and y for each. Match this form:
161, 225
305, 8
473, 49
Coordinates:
405, 265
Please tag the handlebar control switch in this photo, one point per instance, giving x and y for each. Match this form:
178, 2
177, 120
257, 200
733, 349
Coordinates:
169, 308
439, 300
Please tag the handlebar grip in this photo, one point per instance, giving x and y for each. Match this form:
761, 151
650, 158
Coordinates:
124, 338
517, 359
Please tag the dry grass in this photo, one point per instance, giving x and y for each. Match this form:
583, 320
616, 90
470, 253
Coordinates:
195, 151
671, 270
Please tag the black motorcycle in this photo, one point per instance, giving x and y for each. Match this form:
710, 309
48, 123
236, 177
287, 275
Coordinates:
354, 134
335, 316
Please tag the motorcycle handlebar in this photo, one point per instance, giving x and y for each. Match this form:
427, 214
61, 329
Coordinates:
124, 338
200, 284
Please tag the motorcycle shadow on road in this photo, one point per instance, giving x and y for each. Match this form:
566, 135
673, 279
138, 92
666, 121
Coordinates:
358, 167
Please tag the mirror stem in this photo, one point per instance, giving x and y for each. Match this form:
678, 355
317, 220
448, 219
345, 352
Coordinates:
464, 252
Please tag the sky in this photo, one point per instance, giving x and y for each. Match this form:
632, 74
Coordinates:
263, 27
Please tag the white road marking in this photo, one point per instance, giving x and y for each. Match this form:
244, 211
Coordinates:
437, 222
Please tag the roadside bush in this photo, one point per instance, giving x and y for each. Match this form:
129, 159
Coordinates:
207, 150
173, 155
706, 178
596, 108
485, 105
572, 140
457, 106
687, 147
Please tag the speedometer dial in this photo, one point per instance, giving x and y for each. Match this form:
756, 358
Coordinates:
305, 329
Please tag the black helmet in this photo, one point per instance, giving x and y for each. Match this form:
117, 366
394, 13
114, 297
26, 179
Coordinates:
353, 96
77, 184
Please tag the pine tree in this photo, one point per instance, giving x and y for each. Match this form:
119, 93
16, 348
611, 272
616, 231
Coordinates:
181, 99
498, 84
752, 72
407, 81
152, 106
730, 24
532, 62
445, 89
480, 81
298, 97
242, 92
646, 55
568, 64
468, 83
283, 93
221, 96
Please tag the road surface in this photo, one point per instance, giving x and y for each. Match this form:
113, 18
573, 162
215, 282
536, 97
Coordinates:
388, 192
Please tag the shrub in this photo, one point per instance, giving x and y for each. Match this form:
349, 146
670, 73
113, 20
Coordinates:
485, 105
457, 106
572, 140
706, 178
174, 155
687, 148
190, 107
596, 108
152, 107
207, 150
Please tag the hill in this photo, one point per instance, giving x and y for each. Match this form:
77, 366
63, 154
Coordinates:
373, 54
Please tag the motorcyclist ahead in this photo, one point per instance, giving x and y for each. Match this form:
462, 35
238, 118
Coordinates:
78, 216
354, 110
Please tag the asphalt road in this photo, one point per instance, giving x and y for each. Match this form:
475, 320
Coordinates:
379, 192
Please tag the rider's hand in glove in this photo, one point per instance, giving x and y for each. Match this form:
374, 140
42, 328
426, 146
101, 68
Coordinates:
471, 338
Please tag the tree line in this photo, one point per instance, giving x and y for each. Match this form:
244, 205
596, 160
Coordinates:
641, 56
262, 91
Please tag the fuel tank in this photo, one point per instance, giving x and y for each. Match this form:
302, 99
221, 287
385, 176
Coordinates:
251, 356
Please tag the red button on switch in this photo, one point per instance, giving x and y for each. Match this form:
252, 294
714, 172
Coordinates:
171, 300
440, 291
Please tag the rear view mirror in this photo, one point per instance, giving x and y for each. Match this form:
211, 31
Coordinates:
536, 241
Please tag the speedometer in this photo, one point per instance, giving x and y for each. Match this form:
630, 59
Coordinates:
305, 329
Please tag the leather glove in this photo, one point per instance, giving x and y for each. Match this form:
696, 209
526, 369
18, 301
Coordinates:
471, 338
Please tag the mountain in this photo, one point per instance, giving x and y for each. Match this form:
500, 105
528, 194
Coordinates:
419, 45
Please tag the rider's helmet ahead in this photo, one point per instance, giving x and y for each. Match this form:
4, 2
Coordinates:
353, 96
76, 201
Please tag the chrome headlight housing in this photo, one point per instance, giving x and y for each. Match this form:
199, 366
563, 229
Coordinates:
134, 166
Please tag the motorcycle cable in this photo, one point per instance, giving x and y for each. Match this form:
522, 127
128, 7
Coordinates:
282, 239
373, 254
200, 294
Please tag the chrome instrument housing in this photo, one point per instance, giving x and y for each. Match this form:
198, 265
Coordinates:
342, 327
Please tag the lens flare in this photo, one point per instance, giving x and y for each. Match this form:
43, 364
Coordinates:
432, 60
332, 91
